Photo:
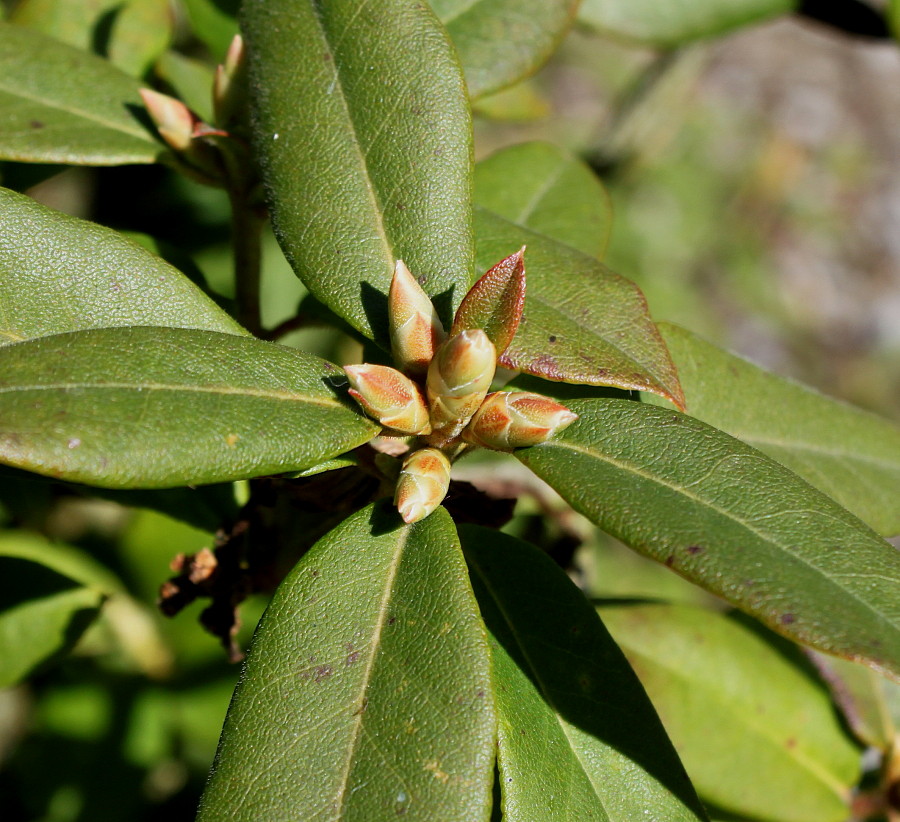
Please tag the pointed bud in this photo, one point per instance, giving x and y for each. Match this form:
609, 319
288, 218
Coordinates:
516, 419
458, 379
174, 121
389, 397
416, 330
423, 483
230, 84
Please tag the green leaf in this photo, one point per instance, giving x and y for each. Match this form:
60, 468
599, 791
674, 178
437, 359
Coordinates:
214, 23
543, 188
582, 322
160, 407
671, 23
860, 694
728, 693
563, 689
191, 80
59, 274
366, 693
44, 610
141, 32
59, 104
851, 455
730, 519
503, 41
77, 24
362, 125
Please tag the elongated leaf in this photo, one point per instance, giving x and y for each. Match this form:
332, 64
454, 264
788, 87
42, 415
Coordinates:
73, 23
674, 22
366, 694
730, 519
140, 32
503, 41
578, 737
59, 274
59, 104
582, 322
851, 455
44, 609
363, 129
192, 81
161, 407
214, 22
755, 727
542, 188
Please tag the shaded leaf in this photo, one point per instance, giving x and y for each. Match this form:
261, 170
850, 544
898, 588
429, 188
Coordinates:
191, 80
851, 455
77, 24
674, 22
502, 41
365, 150
59, 104
563, 689
44, 609
582, 322
141, 32
214, 22
754, 725
494, 304
547, 190
373, 659
59, 274
160, 407
860, 694
730, 519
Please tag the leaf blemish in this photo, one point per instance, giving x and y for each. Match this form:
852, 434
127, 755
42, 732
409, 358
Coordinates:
694, 549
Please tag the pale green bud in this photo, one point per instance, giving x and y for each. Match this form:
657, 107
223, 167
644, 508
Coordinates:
174, 121
458, 379
516, 419
230, 84
388, 396
423, 483
416, 330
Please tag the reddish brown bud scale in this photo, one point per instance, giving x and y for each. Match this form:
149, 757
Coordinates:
388, 396
423, 483
495, 303
415, 328
516, 419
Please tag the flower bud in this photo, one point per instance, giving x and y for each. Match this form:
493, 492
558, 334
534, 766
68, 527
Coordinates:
389, 397
416, 330
516, 419
458, 379
423, 483
174, 121
230, 84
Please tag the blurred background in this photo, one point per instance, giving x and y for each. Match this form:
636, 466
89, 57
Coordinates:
754, 181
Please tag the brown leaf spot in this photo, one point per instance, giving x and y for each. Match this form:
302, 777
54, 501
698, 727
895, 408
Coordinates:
323, 672
787, 619
694, 549
352, 658
36, 124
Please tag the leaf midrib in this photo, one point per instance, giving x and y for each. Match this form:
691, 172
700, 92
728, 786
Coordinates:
378, 633
272, 394
630, 467
510, 624
58, 106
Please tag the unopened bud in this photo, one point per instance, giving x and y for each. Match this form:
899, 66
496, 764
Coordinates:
230, 84
516, 419
389, 397
423, 483
458, 379
174, 121
416, 330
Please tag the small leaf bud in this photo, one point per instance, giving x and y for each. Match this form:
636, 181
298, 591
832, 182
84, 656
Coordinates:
230, 84
174, 121
416, 330
516, 419
458, 379
389, 397
423, 483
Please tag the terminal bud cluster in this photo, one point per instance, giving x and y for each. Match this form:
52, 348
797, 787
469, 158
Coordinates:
439, 390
